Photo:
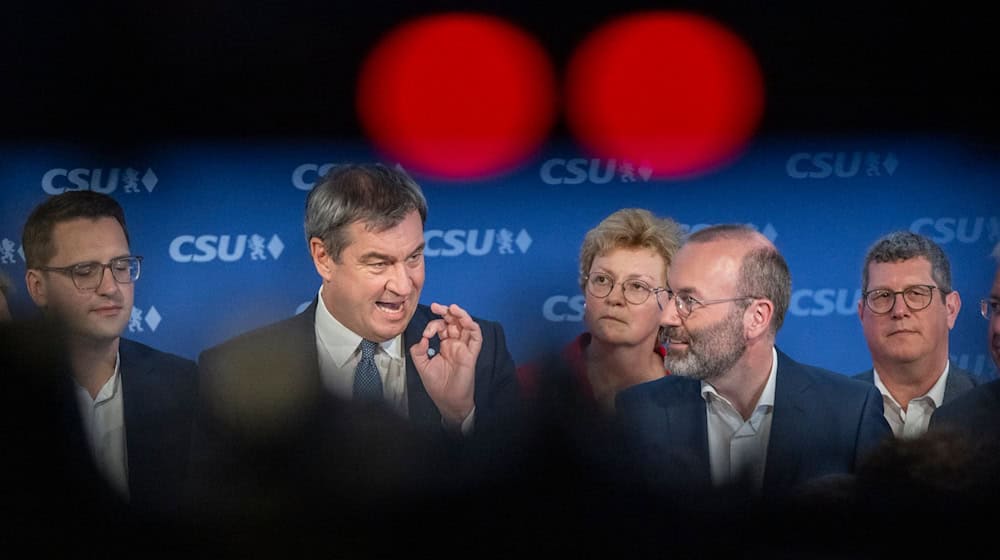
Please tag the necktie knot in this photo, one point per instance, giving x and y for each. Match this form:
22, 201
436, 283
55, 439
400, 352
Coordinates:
367, 381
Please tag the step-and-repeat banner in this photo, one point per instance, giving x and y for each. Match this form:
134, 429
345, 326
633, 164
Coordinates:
220, 227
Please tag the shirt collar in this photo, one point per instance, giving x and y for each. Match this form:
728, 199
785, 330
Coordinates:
341, 342
936, 392
766, 399
108, 390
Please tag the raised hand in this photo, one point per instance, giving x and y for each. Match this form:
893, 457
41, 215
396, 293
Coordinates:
449, 377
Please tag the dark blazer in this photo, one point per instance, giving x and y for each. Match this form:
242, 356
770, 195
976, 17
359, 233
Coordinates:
958, 382
269, 379
823, 424
975, 413
160, 397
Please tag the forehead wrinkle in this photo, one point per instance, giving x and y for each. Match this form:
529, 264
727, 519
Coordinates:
378, 255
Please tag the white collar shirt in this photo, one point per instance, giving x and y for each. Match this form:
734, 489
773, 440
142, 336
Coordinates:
913, 421
103, 420
339, 351
737, 448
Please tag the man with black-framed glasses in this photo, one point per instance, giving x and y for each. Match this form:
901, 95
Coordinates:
737, 413
135, 404
907, 310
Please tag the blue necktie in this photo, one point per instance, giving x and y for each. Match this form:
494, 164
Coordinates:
367, 382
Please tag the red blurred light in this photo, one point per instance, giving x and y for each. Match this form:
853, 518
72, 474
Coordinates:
457, 96
675, 91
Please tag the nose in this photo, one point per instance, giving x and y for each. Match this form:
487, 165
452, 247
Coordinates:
617, 295
399, 281
669, 316
108, 283
899, 307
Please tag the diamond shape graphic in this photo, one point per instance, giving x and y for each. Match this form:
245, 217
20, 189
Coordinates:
770, 233
275, 246
149, 180
890, 163
645, 171
153, 318
523, 241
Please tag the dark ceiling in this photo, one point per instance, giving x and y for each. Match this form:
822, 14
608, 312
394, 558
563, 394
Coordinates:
131, 72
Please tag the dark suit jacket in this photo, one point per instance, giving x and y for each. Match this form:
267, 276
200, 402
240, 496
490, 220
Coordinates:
160, 397
159, 392
959, 381
823, 424
975, 413
267, 381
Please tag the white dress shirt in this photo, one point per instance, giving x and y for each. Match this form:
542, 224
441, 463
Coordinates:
339, 352
104, 427
913, 421
738, 448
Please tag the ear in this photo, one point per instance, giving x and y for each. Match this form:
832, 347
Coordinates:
322, 260
953, 303
37, 287
861, 308
757, 318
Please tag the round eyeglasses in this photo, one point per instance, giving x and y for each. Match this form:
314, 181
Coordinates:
989, 308
87, 276
636, 292
686, 304
916, 298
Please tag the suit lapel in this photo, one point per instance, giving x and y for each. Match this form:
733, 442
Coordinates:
422, 410
958, 382
140, 428
687, 431
788, 425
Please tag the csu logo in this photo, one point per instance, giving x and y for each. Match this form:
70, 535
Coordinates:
474, 242
576, 171
822, 165
824, 302
9, 248
963, 230
226, 248
59, 180
561, 308
151, 318
306, 175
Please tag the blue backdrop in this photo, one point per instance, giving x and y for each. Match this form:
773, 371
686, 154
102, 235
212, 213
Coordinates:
220, 227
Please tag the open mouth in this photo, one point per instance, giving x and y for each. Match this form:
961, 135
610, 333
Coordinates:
390, 307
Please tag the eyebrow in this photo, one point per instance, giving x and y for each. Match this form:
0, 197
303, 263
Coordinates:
99, 262
376, 256
631, 276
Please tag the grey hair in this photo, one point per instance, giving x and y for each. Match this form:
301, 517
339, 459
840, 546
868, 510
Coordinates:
905, 245
374, 194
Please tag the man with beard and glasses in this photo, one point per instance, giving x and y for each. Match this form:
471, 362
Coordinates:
739, 414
